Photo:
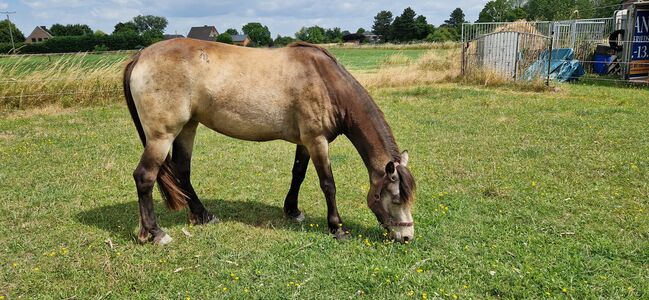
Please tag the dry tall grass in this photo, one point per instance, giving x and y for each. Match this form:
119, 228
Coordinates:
435, 66
67, 80
438, 66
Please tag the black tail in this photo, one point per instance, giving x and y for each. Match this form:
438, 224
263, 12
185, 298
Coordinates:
172, 193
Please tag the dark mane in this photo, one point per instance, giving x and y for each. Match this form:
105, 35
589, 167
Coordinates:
407, 186
308, 45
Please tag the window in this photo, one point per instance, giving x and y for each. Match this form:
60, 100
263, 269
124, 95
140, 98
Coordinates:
33, 40
40, 39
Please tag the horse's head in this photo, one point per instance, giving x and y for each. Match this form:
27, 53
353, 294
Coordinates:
392, 199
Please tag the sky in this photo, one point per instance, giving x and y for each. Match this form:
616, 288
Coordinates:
281, 17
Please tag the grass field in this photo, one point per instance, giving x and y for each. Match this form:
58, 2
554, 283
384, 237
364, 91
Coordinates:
520, 195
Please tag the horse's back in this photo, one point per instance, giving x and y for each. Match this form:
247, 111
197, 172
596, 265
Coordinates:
246, 93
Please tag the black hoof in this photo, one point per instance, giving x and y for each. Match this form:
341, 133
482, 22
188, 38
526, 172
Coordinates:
203, 219
341, 234
295, 215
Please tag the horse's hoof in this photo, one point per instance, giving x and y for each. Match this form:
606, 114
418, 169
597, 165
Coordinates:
297, 218
341, 234
203, 220
164, 240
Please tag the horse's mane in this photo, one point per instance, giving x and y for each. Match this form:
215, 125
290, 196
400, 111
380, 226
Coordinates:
407, 184
308, 45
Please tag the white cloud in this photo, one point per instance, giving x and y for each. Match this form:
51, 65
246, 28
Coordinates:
3, 5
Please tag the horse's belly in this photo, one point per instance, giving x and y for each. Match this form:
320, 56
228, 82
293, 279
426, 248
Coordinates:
248, 122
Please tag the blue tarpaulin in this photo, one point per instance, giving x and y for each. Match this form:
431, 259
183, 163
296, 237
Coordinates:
563, 66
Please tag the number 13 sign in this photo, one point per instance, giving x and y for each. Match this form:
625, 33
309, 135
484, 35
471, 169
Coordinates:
640, 49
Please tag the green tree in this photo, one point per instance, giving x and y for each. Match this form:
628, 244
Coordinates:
313, 34
149, 22
15, 32
224, 38
258, 34
126, 27
403, 27
605, 8
456, 19
70, 30
360, 30
282, 40
333, 35
382, 23
502, 11
549, 10
152, 36
422, 28
232, 31
442, 34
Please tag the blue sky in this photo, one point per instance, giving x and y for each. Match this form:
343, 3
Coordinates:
281, 17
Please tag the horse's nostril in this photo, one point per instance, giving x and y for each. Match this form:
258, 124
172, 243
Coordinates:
405, 238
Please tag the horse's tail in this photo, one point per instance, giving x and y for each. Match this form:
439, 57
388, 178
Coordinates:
168, 183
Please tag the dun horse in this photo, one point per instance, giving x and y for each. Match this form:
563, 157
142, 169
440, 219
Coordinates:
299, 94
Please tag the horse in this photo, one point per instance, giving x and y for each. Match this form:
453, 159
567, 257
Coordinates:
299, 94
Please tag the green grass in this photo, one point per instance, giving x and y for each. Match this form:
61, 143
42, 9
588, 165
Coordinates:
520, 195
370, 59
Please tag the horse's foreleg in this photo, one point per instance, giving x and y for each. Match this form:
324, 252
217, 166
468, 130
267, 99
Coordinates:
299, 171
181, 158
145, 176
319, 151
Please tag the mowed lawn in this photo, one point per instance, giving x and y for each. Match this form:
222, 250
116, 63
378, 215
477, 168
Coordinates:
520, 195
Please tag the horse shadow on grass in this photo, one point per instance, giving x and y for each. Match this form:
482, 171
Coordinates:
122, 219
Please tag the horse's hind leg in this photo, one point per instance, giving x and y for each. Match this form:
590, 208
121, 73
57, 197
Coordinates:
145, 176
299, 171
181, 158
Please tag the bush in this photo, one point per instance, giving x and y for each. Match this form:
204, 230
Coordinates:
86, 43
5, 48
224, 38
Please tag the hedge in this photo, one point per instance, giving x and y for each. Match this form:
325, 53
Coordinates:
83, 43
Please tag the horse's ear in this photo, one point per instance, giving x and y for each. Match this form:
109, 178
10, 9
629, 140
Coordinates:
391, 171
404, 158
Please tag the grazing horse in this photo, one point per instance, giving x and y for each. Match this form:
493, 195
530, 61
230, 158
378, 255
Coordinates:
299, 94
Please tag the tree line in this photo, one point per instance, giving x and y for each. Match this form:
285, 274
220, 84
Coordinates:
547, 10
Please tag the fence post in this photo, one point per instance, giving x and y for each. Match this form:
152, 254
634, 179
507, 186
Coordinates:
547, 82
464, 47
518, 41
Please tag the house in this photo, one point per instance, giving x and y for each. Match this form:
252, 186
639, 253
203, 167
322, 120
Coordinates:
371, 37
39, 34
241, 40
359, 38
205, 33
172, 36
354, 38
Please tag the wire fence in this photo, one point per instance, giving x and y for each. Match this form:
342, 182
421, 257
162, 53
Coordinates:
589, 49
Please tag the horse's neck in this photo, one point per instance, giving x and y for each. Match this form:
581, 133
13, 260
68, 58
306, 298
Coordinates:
372, 137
